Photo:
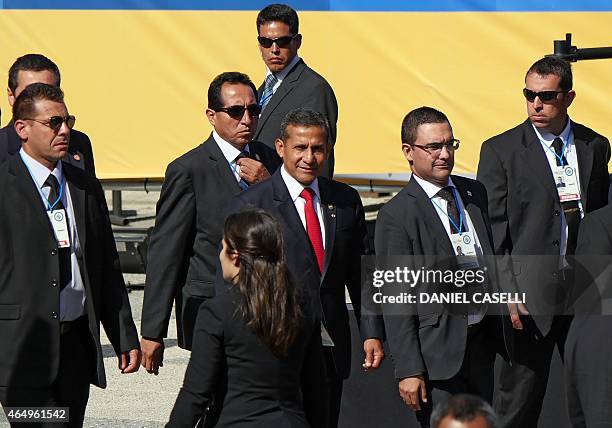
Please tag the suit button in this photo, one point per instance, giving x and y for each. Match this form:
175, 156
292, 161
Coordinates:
557, 212
54, 251
54, 315
555, 243
53, 283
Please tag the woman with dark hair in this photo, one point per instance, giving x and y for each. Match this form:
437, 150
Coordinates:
257, 355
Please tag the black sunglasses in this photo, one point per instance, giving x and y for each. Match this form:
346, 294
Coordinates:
281, 42
237, 112
544, 96
55, 122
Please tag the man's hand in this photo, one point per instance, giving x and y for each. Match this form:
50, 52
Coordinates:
516, 310
152, 354
252, 171
411, 389
129, 362
374, 353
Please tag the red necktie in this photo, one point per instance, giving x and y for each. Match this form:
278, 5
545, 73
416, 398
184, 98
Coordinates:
313, 228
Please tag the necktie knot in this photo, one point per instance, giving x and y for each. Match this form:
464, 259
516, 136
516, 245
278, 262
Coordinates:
558, 145
307, 194
52, 182
242, 154
446, 193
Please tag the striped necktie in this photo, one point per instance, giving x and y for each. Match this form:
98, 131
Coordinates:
268, 90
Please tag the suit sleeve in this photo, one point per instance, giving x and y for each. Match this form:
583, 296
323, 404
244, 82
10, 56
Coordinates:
369, 319
168, 252
401, 323
203, 370
314, 392
323, 100
116, 314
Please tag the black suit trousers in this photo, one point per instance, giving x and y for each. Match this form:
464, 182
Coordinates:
70, 389
522, 385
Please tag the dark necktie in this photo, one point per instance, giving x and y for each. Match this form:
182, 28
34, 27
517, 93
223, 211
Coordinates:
242, 183
65, 266
446, 193
570, 208
313, 228
268, 90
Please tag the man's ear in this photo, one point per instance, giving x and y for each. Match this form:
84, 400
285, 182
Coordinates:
569, 98
21, 129
298, 41
11, 97
408, 152
279, 145
211, 115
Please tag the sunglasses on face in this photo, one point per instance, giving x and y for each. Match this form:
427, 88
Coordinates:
436, 148
281, 42
237, 112
55, 122
544, 96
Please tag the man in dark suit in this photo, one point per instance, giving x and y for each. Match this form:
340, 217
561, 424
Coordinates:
184, 250
438, 351
289, 82
60, 273
536, 224
324, 235
36, 68
588, 352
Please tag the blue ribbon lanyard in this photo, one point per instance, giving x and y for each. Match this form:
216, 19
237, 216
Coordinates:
562, 152
459, 228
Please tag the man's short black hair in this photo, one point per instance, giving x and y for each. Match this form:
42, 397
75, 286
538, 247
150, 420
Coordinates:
231, 77
31, 62
25, 104
303, 117
555, 66
282, 13
417, 117
464, 408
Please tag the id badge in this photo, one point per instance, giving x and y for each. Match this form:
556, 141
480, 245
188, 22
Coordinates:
464, 245
325, 337
60, 227
566, 183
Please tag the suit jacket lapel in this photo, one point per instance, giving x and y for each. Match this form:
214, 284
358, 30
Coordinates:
221, 165
29, 192
287, 86
536, 161
77, 196
476, 216
288, 212
329, 221
429, 215
585, 162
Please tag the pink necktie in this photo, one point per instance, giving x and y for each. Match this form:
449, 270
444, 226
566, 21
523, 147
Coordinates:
313, 228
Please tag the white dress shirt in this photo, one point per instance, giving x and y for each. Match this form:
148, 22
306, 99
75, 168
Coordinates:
546, 140
295, 188
72, 297
441, 207
230, 153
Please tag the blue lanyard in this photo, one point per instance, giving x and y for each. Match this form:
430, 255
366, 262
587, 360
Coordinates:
457, 228
61, 192
562, 151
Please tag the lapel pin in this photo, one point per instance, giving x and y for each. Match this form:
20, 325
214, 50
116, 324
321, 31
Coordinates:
76, 157
469, 193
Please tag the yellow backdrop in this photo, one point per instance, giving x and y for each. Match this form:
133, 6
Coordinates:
137, 81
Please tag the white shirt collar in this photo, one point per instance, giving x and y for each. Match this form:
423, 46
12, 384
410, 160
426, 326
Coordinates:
295, 187
229, 152
283, 73
38, 171
547, 137
431, 189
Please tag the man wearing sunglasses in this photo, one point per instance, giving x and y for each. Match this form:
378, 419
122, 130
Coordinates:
184, 249
289, 82
536, 224
60, 269
438, 350
36, 68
